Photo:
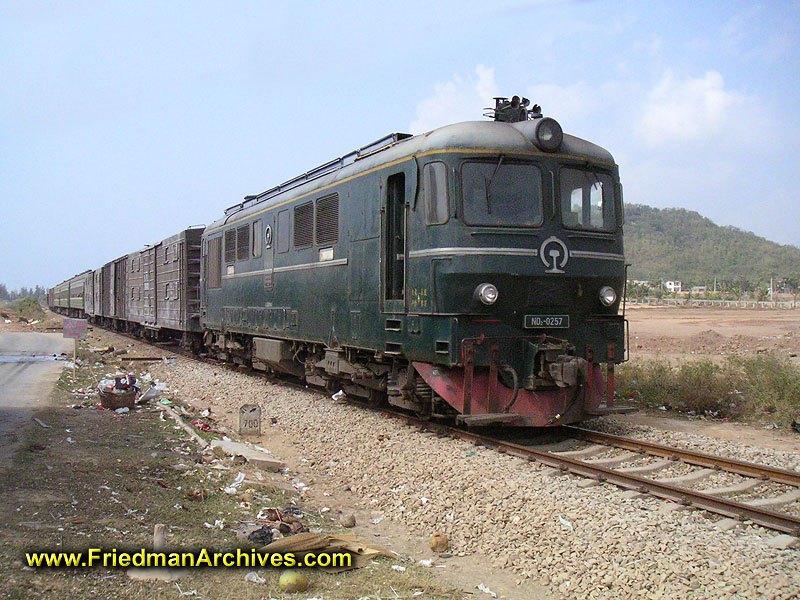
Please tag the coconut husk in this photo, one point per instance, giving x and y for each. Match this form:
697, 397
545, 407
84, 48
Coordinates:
360, 549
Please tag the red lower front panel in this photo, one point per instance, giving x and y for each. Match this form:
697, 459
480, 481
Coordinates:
532, 409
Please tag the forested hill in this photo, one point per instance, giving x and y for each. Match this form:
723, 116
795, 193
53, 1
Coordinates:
674, 243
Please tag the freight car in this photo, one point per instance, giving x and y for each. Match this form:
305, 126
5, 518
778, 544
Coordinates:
153, 292
475, 271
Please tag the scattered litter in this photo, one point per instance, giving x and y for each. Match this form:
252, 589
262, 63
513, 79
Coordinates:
70, 440
182, 593
166, 402
205, 427
234, 487
42, 423
103, 350
486, 590
123, 410
261, 536
426, 562
565, 523
376, 520
150, 394
339, 395
254, 577
299, 485
206, 413
218, 524
399, 568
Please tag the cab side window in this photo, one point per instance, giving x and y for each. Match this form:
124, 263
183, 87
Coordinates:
434, 186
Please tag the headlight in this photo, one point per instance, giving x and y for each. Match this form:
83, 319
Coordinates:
548, 134
487, 293
607, 295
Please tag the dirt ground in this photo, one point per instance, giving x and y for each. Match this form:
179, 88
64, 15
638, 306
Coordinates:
678, 334
10, 321
85, 477
55, 495
683, 333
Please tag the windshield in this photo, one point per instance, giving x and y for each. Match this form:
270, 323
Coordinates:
497, 193
587, 200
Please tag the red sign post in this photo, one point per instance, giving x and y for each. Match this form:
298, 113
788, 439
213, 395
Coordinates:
75, 329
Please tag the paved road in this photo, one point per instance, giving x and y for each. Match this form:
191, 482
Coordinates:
25, 381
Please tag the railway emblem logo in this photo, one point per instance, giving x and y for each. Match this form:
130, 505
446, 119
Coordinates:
554, 254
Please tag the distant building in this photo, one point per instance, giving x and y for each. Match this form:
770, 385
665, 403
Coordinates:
699, 289
672, 286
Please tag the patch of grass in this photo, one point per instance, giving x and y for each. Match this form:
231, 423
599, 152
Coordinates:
770, 384
741, 387
27, 308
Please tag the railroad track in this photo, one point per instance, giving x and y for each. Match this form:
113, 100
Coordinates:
623, 469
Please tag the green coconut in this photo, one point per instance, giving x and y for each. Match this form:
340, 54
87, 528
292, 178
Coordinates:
293, 581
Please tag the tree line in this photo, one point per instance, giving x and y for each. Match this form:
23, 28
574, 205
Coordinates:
681, 245
35, 292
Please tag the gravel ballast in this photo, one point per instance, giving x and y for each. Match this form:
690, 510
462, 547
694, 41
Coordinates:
582, 543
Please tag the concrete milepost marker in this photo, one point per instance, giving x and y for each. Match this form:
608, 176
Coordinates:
75, 329
250, 419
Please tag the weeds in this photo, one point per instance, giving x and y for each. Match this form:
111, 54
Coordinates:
27, 308
740, 387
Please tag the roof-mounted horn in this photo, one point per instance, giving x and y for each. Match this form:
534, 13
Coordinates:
514, 110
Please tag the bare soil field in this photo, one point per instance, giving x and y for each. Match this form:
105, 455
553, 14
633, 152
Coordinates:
682, 333
679, 334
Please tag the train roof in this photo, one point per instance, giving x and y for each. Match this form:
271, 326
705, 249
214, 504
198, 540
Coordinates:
483, 136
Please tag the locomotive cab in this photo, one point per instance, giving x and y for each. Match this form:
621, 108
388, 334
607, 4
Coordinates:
516, 270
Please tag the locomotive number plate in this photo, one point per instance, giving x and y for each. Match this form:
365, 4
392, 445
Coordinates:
546, 321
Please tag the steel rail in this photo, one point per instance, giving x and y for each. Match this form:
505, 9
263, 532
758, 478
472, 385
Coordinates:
730, 508
691, 457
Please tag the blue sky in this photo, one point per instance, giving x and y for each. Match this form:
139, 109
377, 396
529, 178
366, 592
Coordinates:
123, 123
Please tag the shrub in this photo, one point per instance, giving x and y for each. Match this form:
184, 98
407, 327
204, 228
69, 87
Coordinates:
771, 385
753, 386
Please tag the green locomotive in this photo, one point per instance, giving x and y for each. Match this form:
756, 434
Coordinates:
473, 271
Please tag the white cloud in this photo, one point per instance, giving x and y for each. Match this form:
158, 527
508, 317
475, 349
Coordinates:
680, 110
459, 99
567, 104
